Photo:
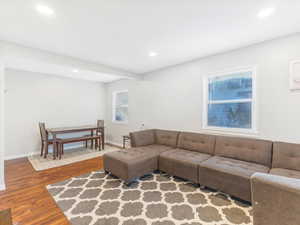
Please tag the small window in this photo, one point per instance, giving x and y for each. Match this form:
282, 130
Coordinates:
229, 101
120, 107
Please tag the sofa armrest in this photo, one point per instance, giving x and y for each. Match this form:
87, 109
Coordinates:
142, 138
275, 199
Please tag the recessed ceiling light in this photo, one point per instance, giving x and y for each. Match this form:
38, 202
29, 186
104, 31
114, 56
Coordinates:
265, 13
152, 54
75, 71
45, 10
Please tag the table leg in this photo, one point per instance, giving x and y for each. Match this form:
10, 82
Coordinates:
99, 143
54, 146
92, 141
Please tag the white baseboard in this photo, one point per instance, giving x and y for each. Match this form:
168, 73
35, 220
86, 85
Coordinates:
67, 148
20, 156
115, 143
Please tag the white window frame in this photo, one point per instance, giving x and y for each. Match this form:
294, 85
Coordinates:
205, 125
114, 98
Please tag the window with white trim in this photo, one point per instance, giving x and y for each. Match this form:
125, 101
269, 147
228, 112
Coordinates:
229, 101
120, 107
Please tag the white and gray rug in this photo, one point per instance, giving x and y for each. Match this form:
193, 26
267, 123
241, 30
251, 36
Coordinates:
158, 199
70, 156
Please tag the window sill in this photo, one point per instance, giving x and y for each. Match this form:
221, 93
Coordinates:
120, 122
233, 131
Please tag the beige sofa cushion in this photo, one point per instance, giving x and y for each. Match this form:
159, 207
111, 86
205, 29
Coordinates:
155, 149
166, 137
285, 173
197, 142
142, 138
182, 163
128, 165
229, 175
286, 155
246, 149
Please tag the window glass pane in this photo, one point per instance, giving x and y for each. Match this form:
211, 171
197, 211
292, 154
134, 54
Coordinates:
230, 115
121, 114
231, 87
122, 99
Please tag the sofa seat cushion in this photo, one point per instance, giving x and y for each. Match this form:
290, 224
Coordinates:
155, 149
231, 176
182, 163
130, 164
285, 173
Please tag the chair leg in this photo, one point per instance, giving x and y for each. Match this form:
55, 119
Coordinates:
100, 143
86, 144
46, 149
61, 150
57, 152
96, 143
58, 147
42, 148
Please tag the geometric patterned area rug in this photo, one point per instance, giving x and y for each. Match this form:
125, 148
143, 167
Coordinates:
158, 199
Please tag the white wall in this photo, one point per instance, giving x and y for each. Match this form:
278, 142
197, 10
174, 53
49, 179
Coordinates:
172, 98
2, 183
32, 97
115, 131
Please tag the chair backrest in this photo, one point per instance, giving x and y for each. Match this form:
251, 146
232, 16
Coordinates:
100, 123
43, 131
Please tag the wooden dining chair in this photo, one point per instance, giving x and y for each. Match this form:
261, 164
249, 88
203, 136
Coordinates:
100, 124
45, 141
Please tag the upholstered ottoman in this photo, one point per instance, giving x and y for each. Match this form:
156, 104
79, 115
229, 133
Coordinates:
130, 164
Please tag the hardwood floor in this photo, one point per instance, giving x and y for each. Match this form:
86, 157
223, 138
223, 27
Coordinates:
27, 196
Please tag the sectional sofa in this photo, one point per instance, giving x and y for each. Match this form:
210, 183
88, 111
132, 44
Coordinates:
258, 171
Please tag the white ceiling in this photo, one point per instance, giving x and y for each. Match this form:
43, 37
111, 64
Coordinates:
121, 33
40, 66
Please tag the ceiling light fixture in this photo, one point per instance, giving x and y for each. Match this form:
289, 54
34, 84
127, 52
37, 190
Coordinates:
265, 13
75, 71
152, 54
45, 10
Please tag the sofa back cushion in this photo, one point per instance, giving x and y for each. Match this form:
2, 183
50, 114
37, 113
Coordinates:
197, 142
166, 137
142, 138
286, 156
246, 149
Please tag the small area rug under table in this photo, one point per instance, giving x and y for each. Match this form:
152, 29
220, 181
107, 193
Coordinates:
70, 156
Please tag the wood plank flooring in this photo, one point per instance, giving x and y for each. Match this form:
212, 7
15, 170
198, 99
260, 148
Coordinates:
27, 196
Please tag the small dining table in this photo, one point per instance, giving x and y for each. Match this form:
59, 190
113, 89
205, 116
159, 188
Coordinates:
63, 130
